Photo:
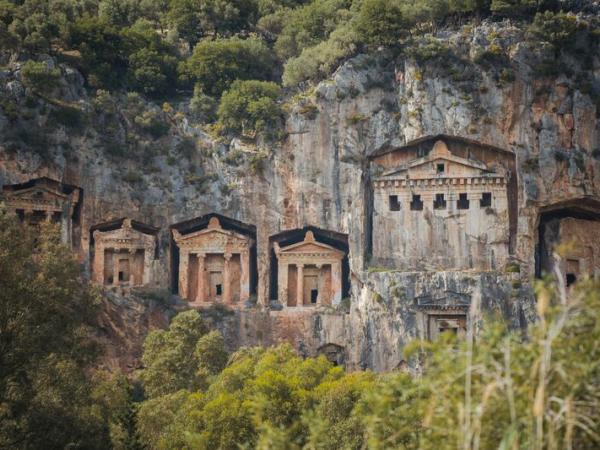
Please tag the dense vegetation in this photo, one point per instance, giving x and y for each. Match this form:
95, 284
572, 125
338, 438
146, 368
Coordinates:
166, 48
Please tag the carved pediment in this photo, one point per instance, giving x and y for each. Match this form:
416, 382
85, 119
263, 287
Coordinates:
427, 165
309, 246
126, 237
212, 239
36, 195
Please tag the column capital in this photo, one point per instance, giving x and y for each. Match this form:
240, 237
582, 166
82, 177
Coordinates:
227, 256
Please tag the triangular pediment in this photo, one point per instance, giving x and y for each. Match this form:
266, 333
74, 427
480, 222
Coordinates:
439, 154
38, 192
310, 245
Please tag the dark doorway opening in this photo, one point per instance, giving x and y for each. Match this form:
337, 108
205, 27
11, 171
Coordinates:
314, 293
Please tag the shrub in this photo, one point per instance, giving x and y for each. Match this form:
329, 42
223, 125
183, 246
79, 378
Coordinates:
319, 61
215, 64
310, 24
381, 22
560, 29
251, 107
39, 77
203, 106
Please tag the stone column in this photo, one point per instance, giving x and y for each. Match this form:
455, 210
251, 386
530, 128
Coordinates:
245, 276
282, 282
200, 294
131, 260
320, 284
48, 216
116, 266
226, 279
184, 259
336, 283
148, 256
98, 268
300, 286
27, 213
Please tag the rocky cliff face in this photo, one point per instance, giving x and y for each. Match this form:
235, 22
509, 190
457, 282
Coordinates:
319, 175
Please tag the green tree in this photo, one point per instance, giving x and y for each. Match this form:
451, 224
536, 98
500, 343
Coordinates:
40, 77
194, 19
382, 22
251, 107
182, 357
215, 64
45, 346
310, 24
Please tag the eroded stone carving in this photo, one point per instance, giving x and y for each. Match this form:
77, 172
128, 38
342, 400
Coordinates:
123, 257
309, 273
441, 211
214, 265
580, 252
44, 199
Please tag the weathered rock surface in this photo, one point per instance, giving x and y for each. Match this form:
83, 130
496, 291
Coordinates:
319, 175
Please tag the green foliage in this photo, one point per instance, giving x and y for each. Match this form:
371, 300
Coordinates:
251, 107
39, 77
215, 64
203, 106
194, 19
308, 25
381, 22
182, 357
317, 62
560, 29
46, 318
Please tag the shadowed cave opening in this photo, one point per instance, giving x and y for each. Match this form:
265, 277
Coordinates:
587, 209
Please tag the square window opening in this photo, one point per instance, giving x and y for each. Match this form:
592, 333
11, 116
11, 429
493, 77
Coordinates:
416, 204
394, 203
439, 202
440, 168
121, 276
486, 199
463, 201
219, 289
571, 279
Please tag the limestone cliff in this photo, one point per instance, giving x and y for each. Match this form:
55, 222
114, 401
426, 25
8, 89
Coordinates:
156, 165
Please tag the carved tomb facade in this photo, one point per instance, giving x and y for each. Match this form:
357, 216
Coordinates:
309, 273
214, 265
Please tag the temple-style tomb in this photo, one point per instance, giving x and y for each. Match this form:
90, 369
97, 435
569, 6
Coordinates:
45, 200
309, 273
123, 253
214, 264
435, 209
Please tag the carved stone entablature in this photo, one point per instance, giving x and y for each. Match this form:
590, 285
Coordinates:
309, 273
440, 210
44, 199
123, 256
447, 301
214, 264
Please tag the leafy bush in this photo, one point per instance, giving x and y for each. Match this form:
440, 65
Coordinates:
215, 64
310, 24
203, 106
560, 29
381, 22
182, 357
317, 62
194, 19
251, 107
39, 77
